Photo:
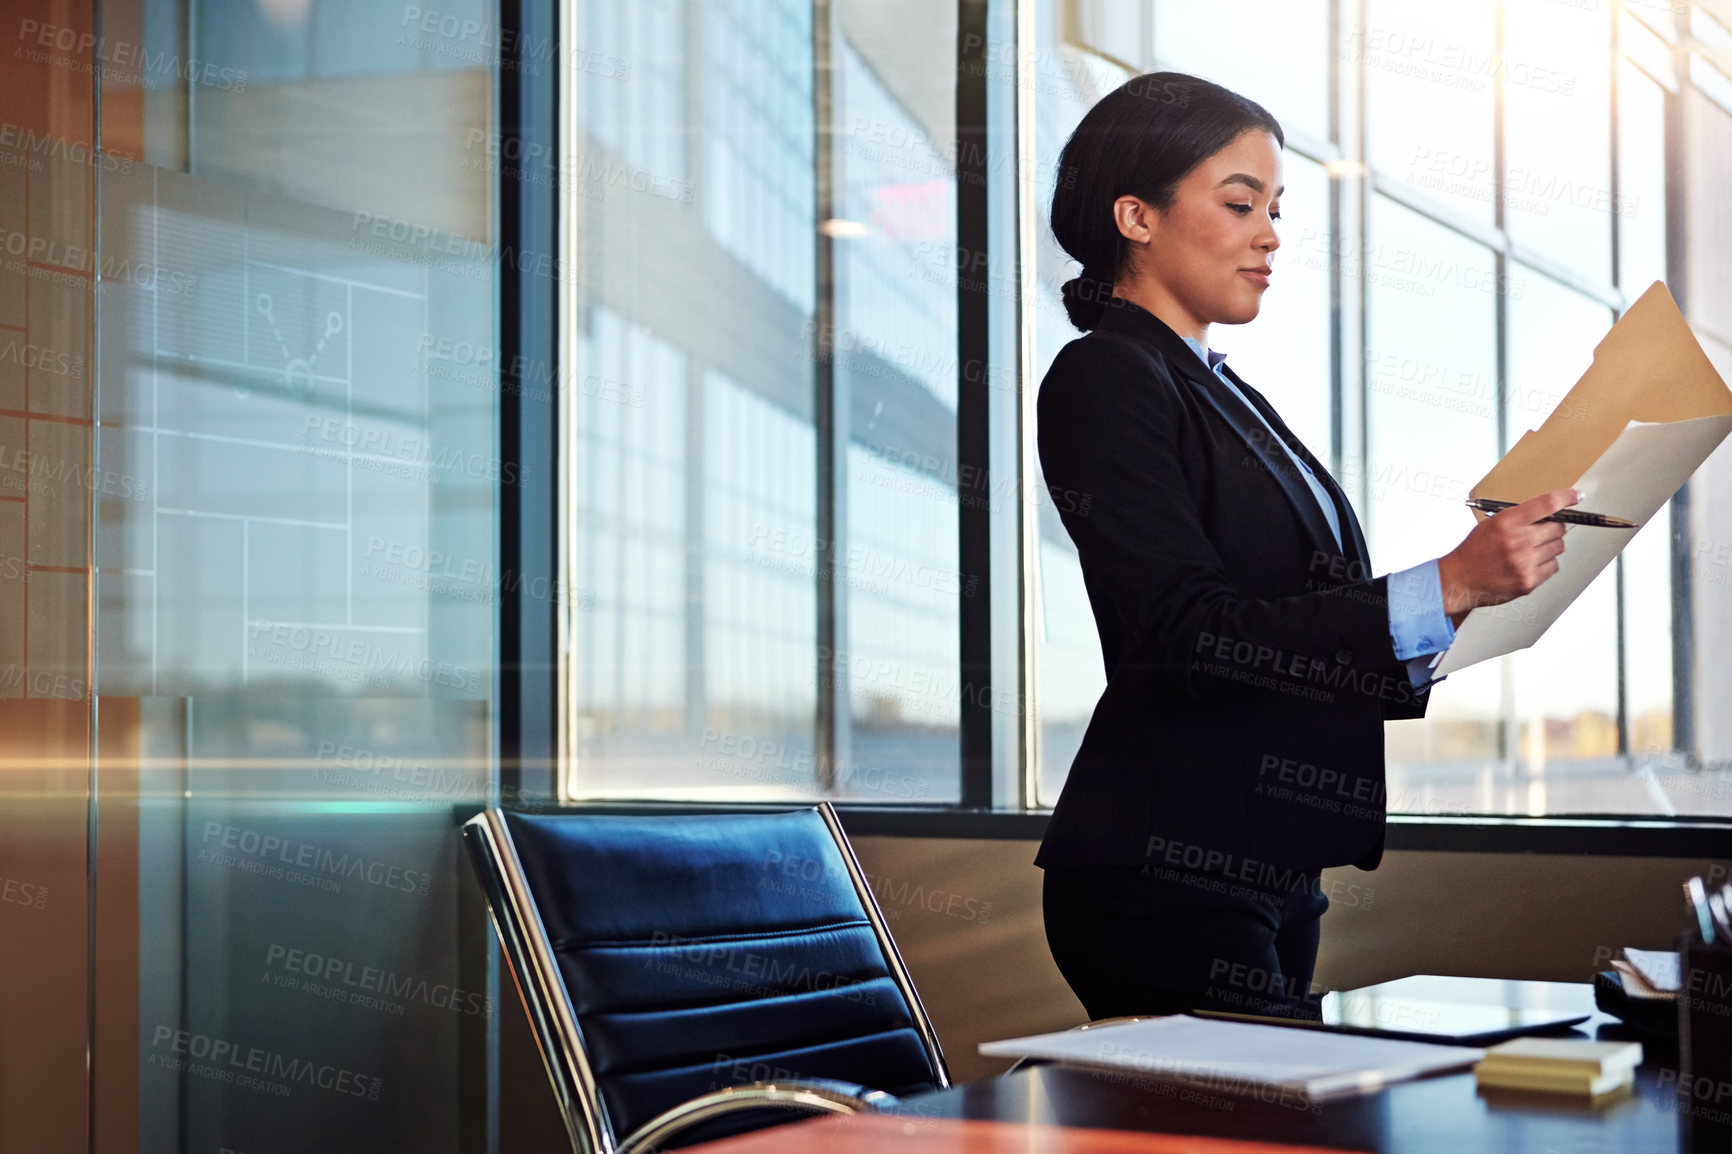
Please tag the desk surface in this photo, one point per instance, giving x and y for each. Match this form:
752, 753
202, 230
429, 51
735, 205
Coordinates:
1448, 1114
1445, 1115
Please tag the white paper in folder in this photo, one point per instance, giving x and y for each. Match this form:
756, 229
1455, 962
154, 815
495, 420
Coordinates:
1633, 480
1641, 420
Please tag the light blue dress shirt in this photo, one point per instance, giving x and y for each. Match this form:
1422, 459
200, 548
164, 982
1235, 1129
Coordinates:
1418, 626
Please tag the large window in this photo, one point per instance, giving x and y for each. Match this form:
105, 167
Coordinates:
1500, 191
764, 492
763, 496
1492, 157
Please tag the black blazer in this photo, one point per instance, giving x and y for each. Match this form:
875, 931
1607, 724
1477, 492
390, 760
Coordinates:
1248, 659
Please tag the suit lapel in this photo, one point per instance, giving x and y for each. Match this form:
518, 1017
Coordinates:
1353, 539
1268, 456
1129, 320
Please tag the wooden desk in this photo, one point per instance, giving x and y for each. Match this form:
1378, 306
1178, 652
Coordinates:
1440, 1115
1443, 1115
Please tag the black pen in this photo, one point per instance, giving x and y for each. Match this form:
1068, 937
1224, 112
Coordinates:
1568, 516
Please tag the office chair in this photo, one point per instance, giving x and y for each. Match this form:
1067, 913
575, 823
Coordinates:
689, 977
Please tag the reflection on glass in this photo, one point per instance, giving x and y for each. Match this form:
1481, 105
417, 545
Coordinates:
1566, 696
694, 512
1647, 562
1552, 334
691, 496
1557, 133
1641, 203
903, 658
1565, 688
1429, 98
1431, 383
629, 507
1069, 672
760, 604
757, 139
1431, 404
692, 505
1208, 40
900, 597
296, 596
634, 79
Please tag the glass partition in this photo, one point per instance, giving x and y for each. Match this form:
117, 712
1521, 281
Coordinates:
296, 575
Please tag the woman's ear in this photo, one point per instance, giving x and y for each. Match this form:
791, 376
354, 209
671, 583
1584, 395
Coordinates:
1135, 219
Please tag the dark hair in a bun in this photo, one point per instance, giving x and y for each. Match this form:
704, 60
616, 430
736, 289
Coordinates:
1140, 140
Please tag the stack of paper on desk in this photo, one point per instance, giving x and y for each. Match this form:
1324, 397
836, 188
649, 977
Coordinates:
1643, 418
1560, 1065
1231, 1057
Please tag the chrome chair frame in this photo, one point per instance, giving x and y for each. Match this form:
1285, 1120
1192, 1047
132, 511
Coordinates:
529, 957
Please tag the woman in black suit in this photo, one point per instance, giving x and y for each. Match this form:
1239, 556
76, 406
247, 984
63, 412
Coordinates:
1251, 657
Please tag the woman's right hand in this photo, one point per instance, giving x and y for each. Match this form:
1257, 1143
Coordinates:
1508, 554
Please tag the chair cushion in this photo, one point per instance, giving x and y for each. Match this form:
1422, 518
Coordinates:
706, 951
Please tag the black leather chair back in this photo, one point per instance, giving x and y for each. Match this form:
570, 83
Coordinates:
705, 951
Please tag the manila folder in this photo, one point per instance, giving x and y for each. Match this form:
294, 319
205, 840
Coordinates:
1643, 418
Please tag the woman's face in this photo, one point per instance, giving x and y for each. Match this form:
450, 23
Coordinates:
1209, 252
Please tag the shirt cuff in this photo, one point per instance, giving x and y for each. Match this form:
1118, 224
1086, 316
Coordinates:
1418, 626
1419, 672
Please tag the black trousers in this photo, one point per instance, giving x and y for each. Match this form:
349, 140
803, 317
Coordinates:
1168, 941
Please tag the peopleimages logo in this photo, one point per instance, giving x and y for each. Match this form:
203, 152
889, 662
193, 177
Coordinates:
362, 980
360, 655
229, 1061
119, 60
22, 893
394, 445
18, 139
278, 851
54, 260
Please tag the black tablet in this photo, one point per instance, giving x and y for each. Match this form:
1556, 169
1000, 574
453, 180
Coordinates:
1397, 1016
1462, 1011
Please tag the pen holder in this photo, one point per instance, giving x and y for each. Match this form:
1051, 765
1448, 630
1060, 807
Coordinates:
1704, 1047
